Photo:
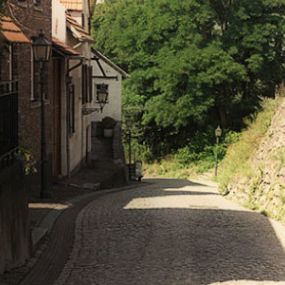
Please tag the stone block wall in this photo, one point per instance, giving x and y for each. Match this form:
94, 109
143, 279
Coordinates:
265, 191
14, 221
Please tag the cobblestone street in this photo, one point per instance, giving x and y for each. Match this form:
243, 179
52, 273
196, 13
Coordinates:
172, 232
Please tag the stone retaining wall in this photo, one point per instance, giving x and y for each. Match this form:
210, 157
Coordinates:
266, 190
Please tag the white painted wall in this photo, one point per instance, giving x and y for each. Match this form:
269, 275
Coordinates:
114, 106
59, 32
58, 20
78, 140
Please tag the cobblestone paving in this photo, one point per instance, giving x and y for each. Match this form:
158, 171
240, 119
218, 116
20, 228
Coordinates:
172, 232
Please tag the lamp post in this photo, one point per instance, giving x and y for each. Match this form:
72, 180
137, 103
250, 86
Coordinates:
129, 138
102, 96
130, 153
218, 134
42, 52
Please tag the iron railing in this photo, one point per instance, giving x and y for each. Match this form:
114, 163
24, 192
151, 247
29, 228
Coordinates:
8, 122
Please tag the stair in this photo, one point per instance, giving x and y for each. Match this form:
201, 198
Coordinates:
101, 162
102, 148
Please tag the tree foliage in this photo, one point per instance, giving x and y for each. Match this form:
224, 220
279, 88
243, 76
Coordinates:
193, 63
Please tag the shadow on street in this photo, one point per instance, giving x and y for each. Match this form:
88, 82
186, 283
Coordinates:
142, 244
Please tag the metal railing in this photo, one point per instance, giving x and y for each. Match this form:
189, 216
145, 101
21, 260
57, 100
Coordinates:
8, 122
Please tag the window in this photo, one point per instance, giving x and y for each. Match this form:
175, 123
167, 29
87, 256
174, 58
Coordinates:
71, 108
89, 25
83, 20
15, 58
87, 89
90, 83
84, 84
22, 3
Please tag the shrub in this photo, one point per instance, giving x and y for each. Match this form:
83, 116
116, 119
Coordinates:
186, 155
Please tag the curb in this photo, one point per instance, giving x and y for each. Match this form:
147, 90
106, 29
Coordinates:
60, 226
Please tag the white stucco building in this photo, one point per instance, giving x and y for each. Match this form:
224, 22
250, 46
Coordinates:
81, 72
71, 32
108, 73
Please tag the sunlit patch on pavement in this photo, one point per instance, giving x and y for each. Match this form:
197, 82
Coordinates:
249, 282
198, 189
49, 206
173, 202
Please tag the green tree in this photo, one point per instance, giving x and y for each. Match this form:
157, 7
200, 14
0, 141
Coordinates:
193, 63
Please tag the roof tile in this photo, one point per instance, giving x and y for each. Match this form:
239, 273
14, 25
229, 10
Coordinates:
82, 34
64, 48
73, 4
11, 32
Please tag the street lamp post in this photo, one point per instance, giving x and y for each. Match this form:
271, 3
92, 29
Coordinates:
42, 51
129, 138
102, 96
218, 134
130, 153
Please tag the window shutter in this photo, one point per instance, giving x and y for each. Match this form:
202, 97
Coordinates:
71, 109
84, 87
90, 83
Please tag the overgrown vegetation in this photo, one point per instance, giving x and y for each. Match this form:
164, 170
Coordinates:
237, 162
233, 152
196, 158
193, 65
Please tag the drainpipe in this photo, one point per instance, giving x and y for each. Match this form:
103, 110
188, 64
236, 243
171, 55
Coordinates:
67, 81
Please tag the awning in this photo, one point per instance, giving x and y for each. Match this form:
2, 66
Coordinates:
11, 32
77, 30
63, 48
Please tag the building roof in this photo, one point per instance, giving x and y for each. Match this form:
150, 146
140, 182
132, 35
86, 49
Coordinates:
63, 48
99, 55
73, 4
11, 32
77, 5
77, 30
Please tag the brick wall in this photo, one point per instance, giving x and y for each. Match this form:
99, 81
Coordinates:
32, 19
